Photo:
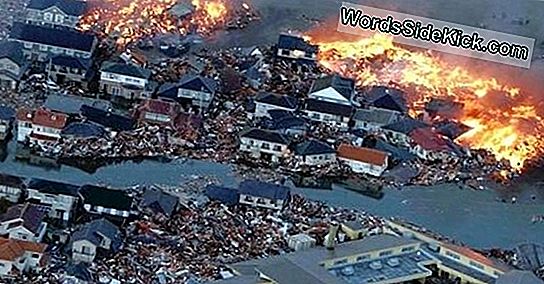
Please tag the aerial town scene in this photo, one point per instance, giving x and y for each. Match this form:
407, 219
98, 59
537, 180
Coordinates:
270, 141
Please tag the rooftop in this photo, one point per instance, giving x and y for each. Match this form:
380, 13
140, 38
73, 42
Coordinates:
70, 39
105, 197
519, 277
198, 83
11, 249
313, 147
31, 215
43, 117
429, 140
159, 201
405, 125
286, 41
387, 98
375, 115
265, 135
94, 230
12, 181
107, 118
131, 70
227, 195
12, 50
72, 62
71, 105
277, 100
328, 107
53, 187
70, 7
366, 155
264, 189
343, 86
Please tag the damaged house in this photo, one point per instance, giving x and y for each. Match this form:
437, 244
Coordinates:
191, 90
429, 145
314, 153
70, 70
262, 194
334, 89
363, 160
12, 64
158, 112
11, 187
336, 115
92, 238
294, 47
126, 82
373, 119
264, 144
18, 256
60, 198
265, 102
41, 126
55, 13
104, 201
24, 222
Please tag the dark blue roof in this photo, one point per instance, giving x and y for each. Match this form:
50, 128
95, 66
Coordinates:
6, 113
72, 62
125, 69
406, 125
84, 130
265, 135
294, 42
53, 187
264, 189
107, 119
277, 100
394, 151
229, 196
70, 39
344, 86
70, 7
159, 201
328, 107
106, 197
388, 98
79, 271
102, 226
288, 122
12, 50
313, 147
168, 90
197, 83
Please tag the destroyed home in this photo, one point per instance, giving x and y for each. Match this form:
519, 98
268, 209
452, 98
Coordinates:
334, 89
190, 90
24, 222
335, 115
13, 64
110, 120
40, 42
158, 112
83, 130
262, 194
40, 126
97, 237
71, 105
294, 47
104, 201
265, 101
226, 195
386, 98
18, 256
300, 242
445, 109
264, 144
314, 153
363, 160
429, 145
11, 187
55, 13
61, 198
399, 132
70, 70
126, 82
354, 229
372, 119
159, 202
7, 116
77, 273
289, 124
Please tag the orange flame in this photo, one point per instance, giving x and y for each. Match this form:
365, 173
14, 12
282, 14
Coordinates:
503, 121
130, 20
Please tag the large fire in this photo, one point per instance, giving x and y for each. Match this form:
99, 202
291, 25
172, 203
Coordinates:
504, 121
130, 20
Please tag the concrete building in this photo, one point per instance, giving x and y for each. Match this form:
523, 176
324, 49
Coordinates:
18, 256
40, 42
334, 89
294, 47
126, 81
12, 64
42, 127
24, 222
70, 70
55, 13
262, 194
11, 187
314, 153
264, 144
93, 237
336, 115
264, 102
363, 160
60, 198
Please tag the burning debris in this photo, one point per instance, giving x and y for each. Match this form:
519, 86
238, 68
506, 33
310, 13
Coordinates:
131, 20
502, 120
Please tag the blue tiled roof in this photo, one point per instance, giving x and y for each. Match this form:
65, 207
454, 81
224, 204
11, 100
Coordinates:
344, 86
396, 152
72, 62
70, 7
288, 122
293, 42
225, 195
89, 232
263, 189
6, 113
125, 69
107, 119
313, 147
83, 129
405, 126
197, 83
72, 104
388, 98
70, 39
277, 100
264, 135
12, 50
328, 107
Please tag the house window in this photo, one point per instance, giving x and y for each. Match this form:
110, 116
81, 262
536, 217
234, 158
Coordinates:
260, 201
48, 16
85, 250
340, 262
265, 146
277, 148
363, 257
285, 52
35, 255
59, 18
477, 265
386, 253
248, 199
453, 255
407, 249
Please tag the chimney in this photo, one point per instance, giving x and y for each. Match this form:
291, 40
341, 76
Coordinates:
331, 236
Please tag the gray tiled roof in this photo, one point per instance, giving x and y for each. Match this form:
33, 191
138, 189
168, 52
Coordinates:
104, 227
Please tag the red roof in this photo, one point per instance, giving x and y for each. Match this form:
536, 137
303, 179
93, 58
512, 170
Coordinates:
12, 249
43, 117
467, 252
161, 107
361, 154
24, 114
429, 140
